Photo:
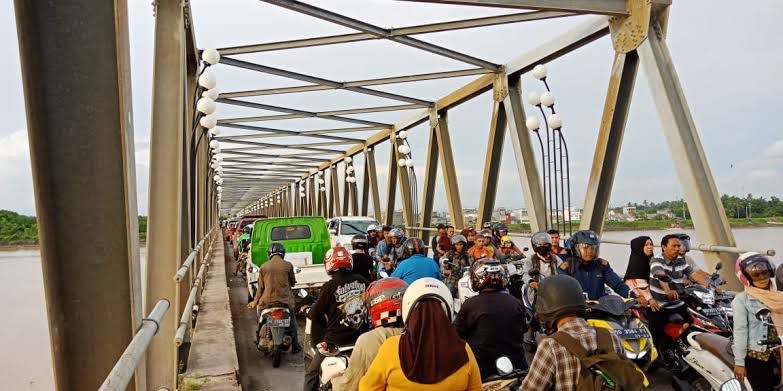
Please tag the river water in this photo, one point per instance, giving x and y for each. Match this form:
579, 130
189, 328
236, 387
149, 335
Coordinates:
24, 339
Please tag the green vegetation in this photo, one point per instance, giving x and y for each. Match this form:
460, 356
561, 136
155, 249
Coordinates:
735, 207
16, 229
645, 225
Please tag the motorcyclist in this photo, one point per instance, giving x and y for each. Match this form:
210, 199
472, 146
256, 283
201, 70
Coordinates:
397, 238
478, 318
413, 262
243, 242
498, 233
560, 307
670, 264
373, 235
275, 283
699, 275
457, 260
562, 252
542, 260
592, 272
384, 302
339, 315
481, 248
362, 262
384, 242
508, 251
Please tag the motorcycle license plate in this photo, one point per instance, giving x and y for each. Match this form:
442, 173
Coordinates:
632, 333
280, 322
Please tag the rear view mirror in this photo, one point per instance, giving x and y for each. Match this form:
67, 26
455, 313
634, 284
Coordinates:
297, 270
718, 266
302, 293
525, 249
534, 273
504, 365
763, 314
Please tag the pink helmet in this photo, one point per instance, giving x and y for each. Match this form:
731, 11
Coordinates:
749, 259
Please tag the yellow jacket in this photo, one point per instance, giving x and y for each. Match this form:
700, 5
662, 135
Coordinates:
386, 373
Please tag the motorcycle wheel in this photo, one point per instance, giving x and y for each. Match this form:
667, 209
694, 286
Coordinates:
276, 356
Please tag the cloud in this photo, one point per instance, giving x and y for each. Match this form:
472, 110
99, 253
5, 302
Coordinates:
763, 174
15, 146
775, 150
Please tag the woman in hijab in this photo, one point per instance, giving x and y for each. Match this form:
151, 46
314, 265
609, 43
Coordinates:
637, 276
753, 361
428, 356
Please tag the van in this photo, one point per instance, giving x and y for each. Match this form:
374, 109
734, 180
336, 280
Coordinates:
342, 229
306, 242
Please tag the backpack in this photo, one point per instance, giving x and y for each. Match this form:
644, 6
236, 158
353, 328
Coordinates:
603, 368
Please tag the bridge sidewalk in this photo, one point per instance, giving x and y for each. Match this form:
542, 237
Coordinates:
213, 363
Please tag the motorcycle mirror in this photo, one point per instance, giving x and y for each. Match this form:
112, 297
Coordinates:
731, 385
383, 274
302, 293
534, 273
297, 270
525, 249
762, 314
504, 365
718, 266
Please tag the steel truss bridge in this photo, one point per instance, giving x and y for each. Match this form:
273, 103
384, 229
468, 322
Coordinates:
76, 73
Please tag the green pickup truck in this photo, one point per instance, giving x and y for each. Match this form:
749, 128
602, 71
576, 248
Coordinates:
306, 242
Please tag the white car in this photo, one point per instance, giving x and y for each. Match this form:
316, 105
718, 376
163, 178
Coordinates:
342, 229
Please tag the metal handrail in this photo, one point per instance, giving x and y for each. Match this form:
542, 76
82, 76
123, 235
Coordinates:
123, 370
187, 312
700, 247
183, 270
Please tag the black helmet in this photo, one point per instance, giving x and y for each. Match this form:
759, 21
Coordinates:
558, 296
501, 227
685, 242
359, 242
275, 248
585, 238
411, 247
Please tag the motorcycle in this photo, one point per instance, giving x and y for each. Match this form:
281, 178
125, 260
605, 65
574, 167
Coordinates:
507, 379
464, 289
272, 337
614, 314
710, 310
334, 364
698, 359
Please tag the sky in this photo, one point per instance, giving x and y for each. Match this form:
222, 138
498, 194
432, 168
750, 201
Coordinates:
727, 58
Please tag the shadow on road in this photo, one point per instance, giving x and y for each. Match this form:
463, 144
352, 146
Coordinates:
255, 369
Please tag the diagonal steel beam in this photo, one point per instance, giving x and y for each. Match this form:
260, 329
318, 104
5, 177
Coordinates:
380, 32
318, 80
604, 7
273, 132
320, 114
321, 144
305, 114
359, 83
411, 30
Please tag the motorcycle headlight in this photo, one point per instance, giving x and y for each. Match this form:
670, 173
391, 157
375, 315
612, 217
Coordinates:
630, 355
706, 297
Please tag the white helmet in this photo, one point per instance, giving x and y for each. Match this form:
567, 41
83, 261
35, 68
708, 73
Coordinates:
426, 288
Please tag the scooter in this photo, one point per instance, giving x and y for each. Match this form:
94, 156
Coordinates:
272, 336
507, 379
613, 313
698, 359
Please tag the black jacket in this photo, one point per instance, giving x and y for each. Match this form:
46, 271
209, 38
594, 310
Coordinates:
493, 324
339, 315
362, 265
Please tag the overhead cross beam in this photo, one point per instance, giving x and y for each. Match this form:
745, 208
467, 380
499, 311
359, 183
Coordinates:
279, 146
318, 80
395, 32
381, 32
305, 133
272, 132
321, 114
359, 83
303, 113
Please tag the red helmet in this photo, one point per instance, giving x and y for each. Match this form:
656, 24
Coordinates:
384, 300
336, 259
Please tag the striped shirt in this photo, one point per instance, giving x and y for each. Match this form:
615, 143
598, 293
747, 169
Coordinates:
678, 270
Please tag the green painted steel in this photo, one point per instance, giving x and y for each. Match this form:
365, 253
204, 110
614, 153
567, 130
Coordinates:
317, 242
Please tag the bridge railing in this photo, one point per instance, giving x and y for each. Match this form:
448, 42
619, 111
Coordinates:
123, 371
694, 246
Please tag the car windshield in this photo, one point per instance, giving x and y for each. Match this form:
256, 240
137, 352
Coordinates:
356, 227
291, 232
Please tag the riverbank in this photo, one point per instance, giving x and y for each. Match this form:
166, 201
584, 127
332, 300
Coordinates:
664, 225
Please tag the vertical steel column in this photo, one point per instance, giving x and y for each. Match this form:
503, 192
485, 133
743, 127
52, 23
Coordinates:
698, 184
448, 171
524, 155
430, 177
81, 146
497, 133
610, 139
354, 199
165, 202
371, 178
405, 188
313, 196
365, 190
346, 191
391, 190
334, 186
